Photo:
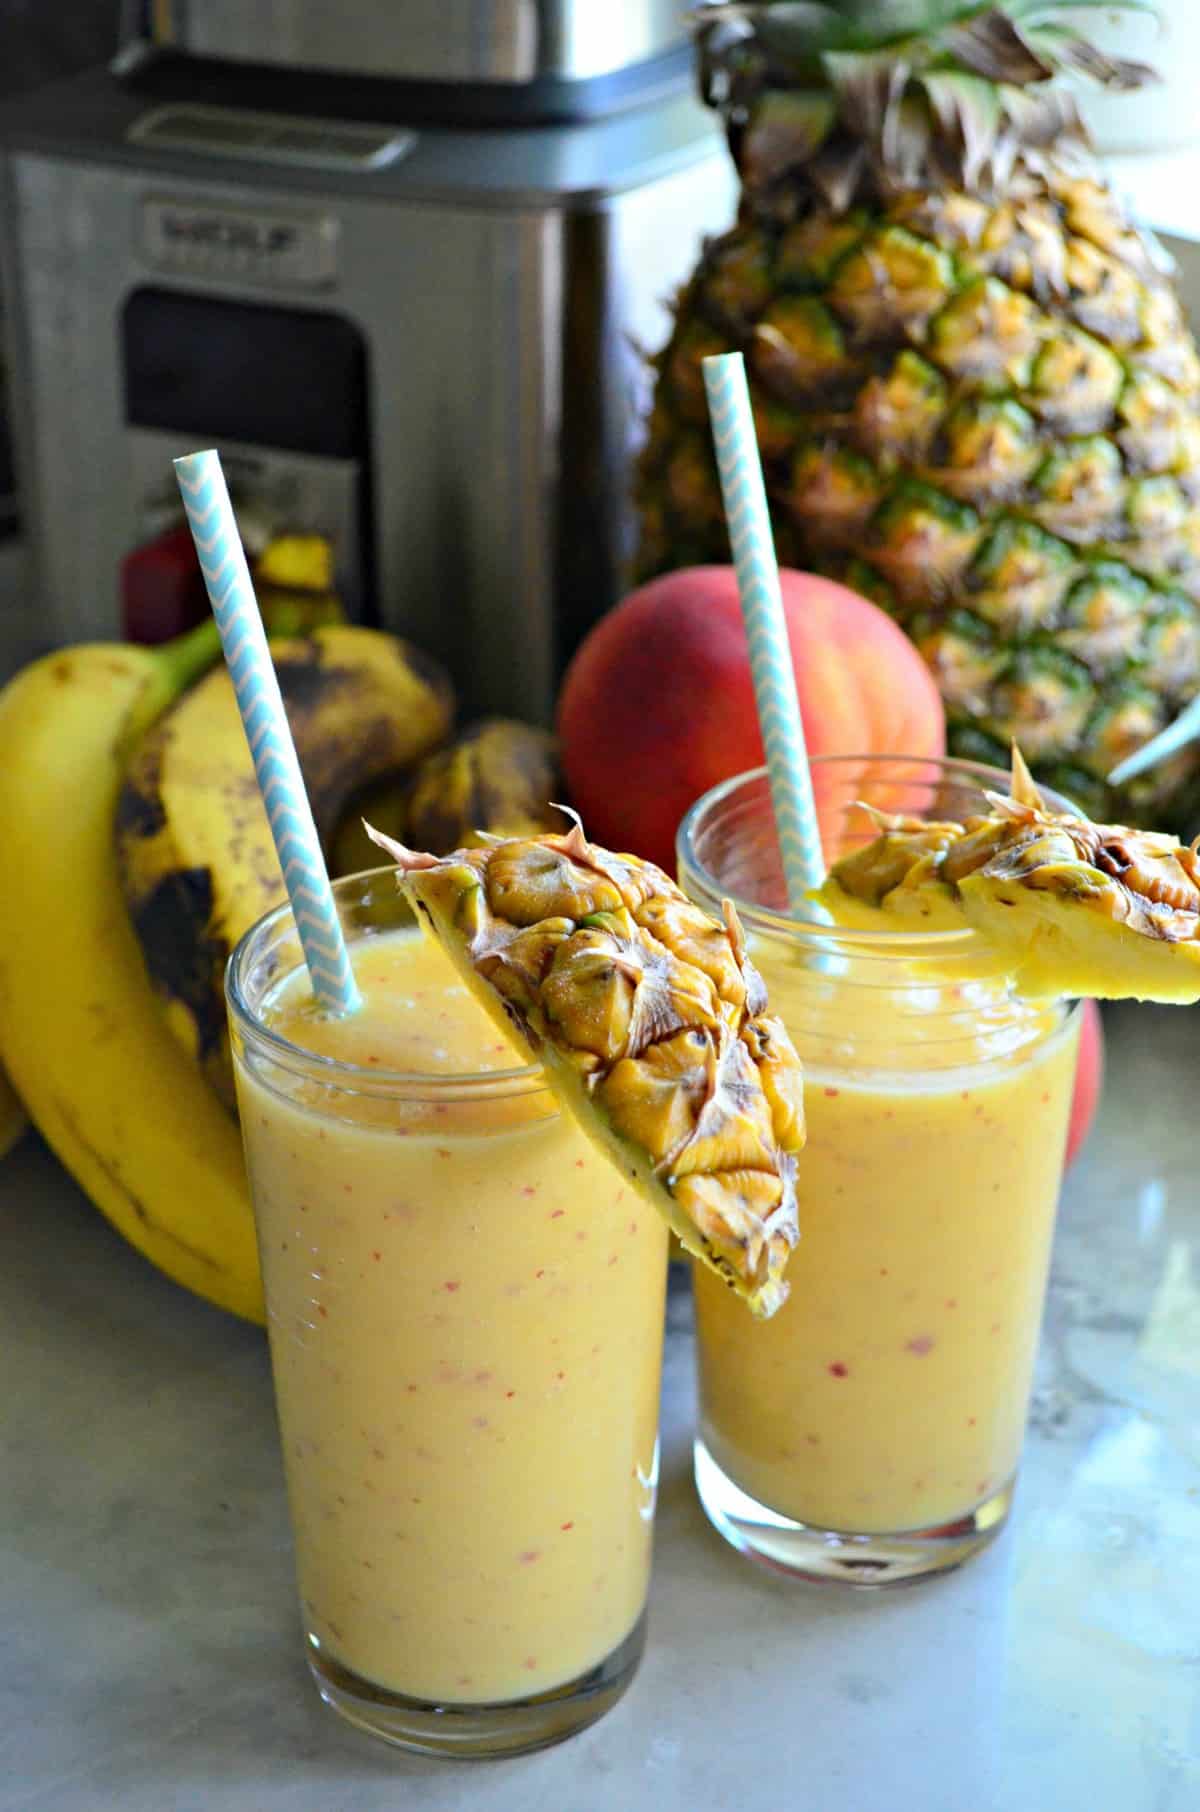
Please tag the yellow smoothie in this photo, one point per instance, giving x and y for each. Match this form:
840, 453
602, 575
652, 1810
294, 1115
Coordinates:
889, 1393
466, 1321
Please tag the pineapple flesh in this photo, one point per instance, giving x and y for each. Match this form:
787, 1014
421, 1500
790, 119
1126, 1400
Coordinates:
651, 1025
1073, 908
976, 394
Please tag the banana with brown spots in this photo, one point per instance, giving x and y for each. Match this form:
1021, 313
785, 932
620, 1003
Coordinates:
194, 849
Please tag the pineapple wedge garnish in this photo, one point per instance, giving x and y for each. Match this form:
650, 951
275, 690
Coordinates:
1075, 908
651, 1026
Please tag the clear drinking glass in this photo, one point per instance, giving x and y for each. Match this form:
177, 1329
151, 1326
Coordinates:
465, 1308
871, 1431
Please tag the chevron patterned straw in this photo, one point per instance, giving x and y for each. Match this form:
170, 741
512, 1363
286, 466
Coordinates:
1177, 735
231, 593
766, 629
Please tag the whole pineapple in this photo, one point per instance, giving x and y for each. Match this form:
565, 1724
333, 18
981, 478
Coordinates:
976, 395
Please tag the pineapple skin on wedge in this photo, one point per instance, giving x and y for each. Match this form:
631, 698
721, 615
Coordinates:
1075, 908
651, 1025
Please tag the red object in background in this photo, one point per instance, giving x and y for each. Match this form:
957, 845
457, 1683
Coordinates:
1089, 1078
658, 705
162, 588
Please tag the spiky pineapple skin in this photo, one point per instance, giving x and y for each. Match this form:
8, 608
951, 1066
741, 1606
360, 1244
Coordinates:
985, 415
652, 1026
1078, 908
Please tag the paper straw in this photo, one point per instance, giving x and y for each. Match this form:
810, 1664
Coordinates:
231, 594
766, 629
1177, 735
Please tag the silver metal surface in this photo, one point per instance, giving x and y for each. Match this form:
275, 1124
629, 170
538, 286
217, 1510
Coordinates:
420, 40
507, 386
272, 138
281, 248
18, 634
560, 165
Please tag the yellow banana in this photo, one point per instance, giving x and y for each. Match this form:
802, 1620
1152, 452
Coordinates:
297, 571
12, 1116
385, 805
80, 1030
497, 776
297, 563
194, 849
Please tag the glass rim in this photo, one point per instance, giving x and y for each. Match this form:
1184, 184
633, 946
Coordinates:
904, 938
337, 1072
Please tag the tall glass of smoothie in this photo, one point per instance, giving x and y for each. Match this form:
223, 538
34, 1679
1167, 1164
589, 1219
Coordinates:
465, 1308
871, 1431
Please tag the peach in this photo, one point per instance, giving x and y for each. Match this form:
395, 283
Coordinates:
658, 705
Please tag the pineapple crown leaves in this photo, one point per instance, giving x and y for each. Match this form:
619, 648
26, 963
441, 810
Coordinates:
887, 94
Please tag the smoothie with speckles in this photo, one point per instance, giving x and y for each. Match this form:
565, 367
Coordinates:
890, 1391
465, 1308
870, 1432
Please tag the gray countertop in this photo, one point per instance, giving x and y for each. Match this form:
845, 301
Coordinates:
151, 1646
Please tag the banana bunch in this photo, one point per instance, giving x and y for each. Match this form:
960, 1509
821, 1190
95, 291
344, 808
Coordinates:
145, 748
115, 925
81, 1034
194, 853
498, 776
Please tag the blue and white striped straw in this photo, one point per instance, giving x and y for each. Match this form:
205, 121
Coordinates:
766, 629
231, 594
1177, 735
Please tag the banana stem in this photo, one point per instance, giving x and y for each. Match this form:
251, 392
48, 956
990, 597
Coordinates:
170, 669
185, 659
174, 666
